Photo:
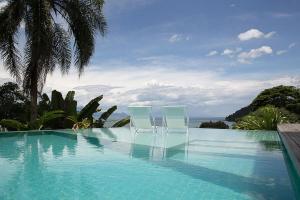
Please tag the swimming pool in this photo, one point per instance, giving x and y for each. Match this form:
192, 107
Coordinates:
115, 164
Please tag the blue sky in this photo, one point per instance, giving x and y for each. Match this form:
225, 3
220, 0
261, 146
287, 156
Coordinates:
214, 56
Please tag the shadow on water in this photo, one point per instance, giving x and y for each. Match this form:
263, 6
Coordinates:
252, 186
263, 184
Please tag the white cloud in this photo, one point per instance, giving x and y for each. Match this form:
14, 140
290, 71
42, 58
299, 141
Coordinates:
3, 4
254, 34
292, 45
270, 34
245, 57
205, 92
175, 38
284, 51
231, 52
212, 53
280, 52
178, 37
281, 15
227, 52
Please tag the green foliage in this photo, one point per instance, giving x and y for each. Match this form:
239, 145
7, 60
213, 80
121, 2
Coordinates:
13, 125
48, 44
57, 101
38, 124
122, 122
44, 104
88, 110
287, 97
57, 113
279, 96
265, 118
13, 103
70, 105
49, 116
210, 124
104, 116
85, 123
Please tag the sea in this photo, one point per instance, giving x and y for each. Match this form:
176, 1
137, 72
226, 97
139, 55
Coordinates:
194, 122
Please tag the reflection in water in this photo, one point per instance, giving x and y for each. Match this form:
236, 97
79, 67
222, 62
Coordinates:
14, 147
94, 141
215, 161
269, 139
29, 171
142, 145
109, 133
160, 146
294, 176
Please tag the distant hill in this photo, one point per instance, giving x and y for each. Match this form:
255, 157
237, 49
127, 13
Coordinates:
114, 116
287, 97
239, 114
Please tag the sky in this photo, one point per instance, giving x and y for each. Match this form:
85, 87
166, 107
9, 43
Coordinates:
214, 56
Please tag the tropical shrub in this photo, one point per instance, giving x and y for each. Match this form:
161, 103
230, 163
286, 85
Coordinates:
265, 118
54, 113
82, 119
38, 124
210, 124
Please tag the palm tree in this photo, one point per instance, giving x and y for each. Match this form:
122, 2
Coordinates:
50, 26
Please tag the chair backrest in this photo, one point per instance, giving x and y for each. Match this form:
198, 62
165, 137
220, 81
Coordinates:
141, 116
174, 117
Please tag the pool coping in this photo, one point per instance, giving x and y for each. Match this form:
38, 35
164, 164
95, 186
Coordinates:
290, 136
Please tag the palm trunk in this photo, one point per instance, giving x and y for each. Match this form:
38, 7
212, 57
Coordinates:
33, 97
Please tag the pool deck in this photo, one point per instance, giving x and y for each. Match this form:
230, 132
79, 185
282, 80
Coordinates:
290, 135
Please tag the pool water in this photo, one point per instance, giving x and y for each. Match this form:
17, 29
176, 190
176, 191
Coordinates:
117, 164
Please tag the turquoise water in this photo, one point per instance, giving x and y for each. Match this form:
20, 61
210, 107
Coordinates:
115, 164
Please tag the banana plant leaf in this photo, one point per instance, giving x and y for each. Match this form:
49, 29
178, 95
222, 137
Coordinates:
57, 101
102, 119
70, 96
122, 122
89, 109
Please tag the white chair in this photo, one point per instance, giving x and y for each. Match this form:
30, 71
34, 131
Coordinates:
141, 118
175, 118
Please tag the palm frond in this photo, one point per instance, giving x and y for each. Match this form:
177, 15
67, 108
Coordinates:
10, 20
62, 49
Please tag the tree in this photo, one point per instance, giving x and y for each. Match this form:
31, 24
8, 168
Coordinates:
13, 103
48, 43
218, 125
287, 97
